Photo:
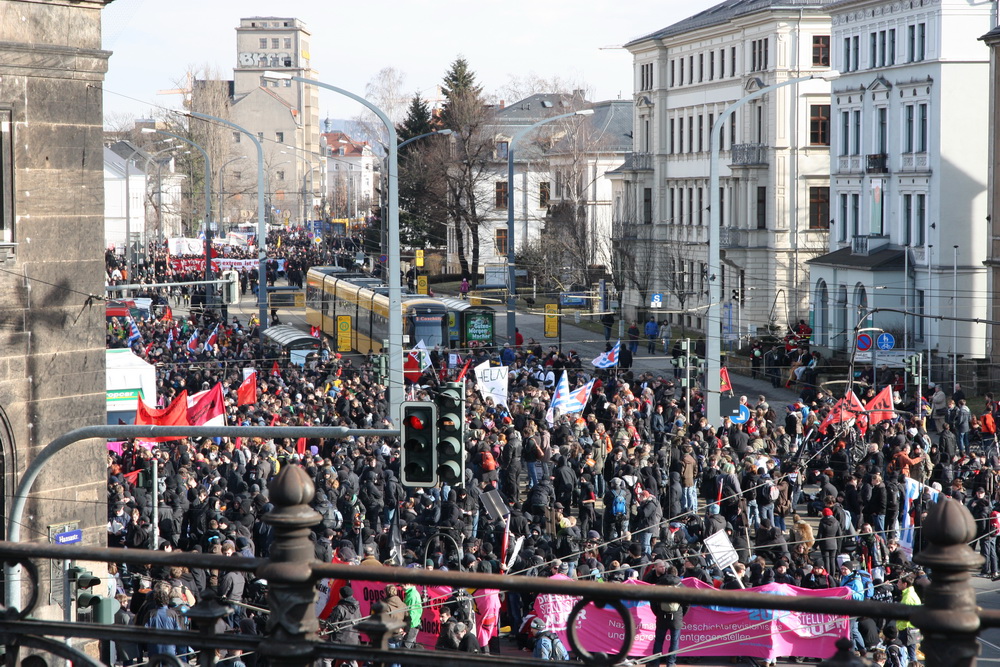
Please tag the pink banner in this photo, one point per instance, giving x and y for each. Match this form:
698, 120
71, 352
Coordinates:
197, 264
709, 631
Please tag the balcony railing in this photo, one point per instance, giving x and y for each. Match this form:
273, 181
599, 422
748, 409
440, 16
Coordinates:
866, 245
877, 163
730, 237
747, 155
638, 162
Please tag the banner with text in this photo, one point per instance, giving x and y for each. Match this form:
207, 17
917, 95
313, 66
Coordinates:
493, 382
197, 264
709, 631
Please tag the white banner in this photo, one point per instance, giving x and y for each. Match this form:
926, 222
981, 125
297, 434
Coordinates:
186, 246
493, 382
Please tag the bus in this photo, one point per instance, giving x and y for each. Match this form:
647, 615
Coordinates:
332, 296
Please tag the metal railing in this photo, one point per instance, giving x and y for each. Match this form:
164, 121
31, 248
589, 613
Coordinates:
748, 154
877, 163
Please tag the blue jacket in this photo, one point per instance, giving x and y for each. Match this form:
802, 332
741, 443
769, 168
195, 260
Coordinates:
652, 329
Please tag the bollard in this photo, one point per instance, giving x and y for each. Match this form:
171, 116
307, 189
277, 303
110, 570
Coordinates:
948, 617
291, 598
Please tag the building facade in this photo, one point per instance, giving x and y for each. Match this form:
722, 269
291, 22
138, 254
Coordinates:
992, 41
52, 251
774, 166
352, 176
908, 177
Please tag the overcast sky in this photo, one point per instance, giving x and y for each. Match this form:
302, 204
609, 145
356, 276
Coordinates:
154, 42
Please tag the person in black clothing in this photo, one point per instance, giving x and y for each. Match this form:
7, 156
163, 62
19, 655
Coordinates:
669, 618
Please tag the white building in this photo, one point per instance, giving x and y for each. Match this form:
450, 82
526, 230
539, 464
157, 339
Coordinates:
774, 170
351, 176
150, 197
908, 176
560, 166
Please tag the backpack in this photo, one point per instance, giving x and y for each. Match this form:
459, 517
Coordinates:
618, 507
669, 608
764, 496
893, 656
333, 518
559, 651
488, 462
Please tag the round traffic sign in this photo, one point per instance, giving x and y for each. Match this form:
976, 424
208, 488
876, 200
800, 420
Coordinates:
864, 342
344, 326
886, 341
743, 417
383, 258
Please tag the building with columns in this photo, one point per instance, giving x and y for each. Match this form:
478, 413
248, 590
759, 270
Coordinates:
774, 165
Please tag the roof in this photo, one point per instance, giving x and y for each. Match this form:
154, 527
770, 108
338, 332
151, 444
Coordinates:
115, 161
339, 140
992, 35
539, 106
886, 258
726, 11
608, 130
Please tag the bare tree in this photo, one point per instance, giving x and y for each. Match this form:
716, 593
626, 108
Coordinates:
386, 91
520, 86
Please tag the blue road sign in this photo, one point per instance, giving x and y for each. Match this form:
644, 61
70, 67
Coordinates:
864, 342
743, 416
69, 537
886, 341
656, 300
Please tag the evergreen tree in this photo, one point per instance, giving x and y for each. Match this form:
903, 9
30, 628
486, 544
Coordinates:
459, 86
417, 121
421, 219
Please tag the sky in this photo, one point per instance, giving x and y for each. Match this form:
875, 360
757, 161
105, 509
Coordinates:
154, 42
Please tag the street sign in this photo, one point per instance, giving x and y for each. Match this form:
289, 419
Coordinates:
864, 342
551, 320
420, 258
722, 550
422, 286
894, 358
885, 341
737, 412
344, 333
69, 537
68, 532
656, 300
383, 258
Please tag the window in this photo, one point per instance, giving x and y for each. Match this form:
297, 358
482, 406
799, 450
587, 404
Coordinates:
819, 208
907, 219
882, 53
856, 136
856, 51
670, 136
280, 174
732, 61
275, 42
722, 206
681, 72
842, 222
263, 42
260, 136
500, 241
701, 206
288, 42
819, 124
722, 63
920, 220
673, 78
237, 175
680, 134
502, 148
701, 133
711, 124
821, 50
845, 132
761, 207
891, 57
500, 194
758, 55
846, 65
883, 130
701, 67
711, 65
732, 130
237, 136
647, 206
690, 209
646, 76
921, 40
691, 69
908, 122
872, 50
279, 137
544, 194
922, 128
670, 205
691, 134
856, 213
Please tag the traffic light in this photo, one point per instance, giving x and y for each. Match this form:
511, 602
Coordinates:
230, 287
451, 434
419, 433
104, 608
736, 296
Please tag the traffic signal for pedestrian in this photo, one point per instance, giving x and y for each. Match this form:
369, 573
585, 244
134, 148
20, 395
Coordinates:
90, 606
737, 296
419, 435
913, 364
451, 434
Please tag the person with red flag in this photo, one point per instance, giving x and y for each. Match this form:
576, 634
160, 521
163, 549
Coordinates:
881, 407
246, 394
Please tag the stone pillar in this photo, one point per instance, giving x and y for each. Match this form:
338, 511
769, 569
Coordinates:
292, 623
949, 618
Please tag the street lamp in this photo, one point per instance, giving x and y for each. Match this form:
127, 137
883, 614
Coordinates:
209, 291
511, 269
713, 361
395, 361
222, 186
261, 226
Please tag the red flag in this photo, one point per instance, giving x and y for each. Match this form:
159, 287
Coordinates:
300, 446
274, 420
854, 403
207, 408
839, 413
334, 586
173, 415
881, 407
724, 383
465, 369
276, 370
132, 477
247, 392
168, 315
315, 332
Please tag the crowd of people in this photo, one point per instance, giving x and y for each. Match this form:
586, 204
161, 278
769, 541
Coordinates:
627, 489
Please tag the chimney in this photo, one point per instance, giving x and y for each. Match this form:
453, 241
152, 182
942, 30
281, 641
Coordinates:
501, 104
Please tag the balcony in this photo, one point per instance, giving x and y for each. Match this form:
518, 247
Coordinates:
748, 155
877, 163
849, 164
866, 245
638, 162
730, 237
915, 162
